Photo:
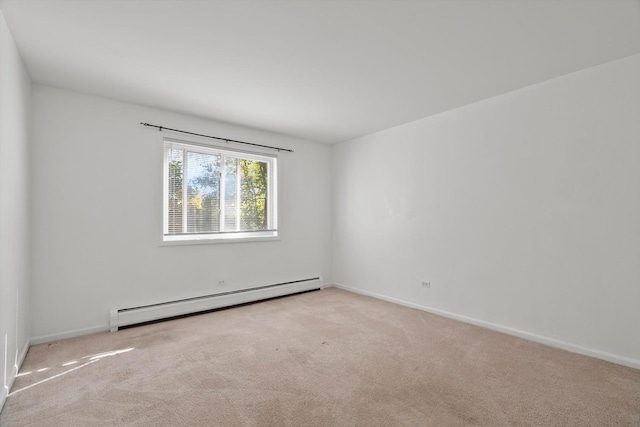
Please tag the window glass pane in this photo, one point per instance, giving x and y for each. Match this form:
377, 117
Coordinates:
217, 194
231, 194
174, 190
203, 192
253, 195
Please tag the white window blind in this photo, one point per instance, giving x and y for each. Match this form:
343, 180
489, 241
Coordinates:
213, 193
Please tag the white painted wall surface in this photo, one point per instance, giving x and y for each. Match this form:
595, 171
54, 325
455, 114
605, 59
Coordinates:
522, 210
97, 215
15, 98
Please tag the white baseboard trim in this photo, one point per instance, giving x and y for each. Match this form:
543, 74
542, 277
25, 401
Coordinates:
551, 342
16, 368
14, 373
69, 334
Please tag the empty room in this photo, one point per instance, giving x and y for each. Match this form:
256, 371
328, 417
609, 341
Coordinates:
320, 213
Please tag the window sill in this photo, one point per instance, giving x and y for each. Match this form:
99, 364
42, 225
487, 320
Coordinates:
213, 240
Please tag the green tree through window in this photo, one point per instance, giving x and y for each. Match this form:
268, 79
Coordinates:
254, 195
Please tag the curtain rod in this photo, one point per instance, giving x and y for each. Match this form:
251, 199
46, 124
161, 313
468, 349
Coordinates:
160, 128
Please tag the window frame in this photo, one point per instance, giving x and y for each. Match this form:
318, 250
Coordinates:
222, 236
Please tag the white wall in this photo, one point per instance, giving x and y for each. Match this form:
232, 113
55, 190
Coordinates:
97, 215
15, 96
522, 210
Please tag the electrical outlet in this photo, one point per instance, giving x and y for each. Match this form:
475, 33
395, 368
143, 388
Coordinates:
220, 282
425, 284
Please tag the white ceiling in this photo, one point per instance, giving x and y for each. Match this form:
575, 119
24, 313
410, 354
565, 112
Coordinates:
326, 71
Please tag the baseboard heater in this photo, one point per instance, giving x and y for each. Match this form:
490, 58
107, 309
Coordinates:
121, 317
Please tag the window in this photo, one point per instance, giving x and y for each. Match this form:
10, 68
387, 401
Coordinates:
218, 194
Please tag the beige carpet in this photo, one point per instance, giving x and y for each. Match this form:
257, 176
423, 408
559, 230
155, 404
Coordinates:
326, 358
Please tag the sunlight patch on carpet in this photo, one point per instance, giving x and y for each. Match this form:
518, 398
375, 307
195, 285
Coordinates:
92, 359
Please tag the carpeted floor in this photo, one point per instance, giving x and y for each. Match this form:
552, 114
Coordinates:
326, 358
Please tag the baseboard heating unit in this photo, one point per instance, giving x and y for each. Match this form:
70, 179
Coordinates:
121, 317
